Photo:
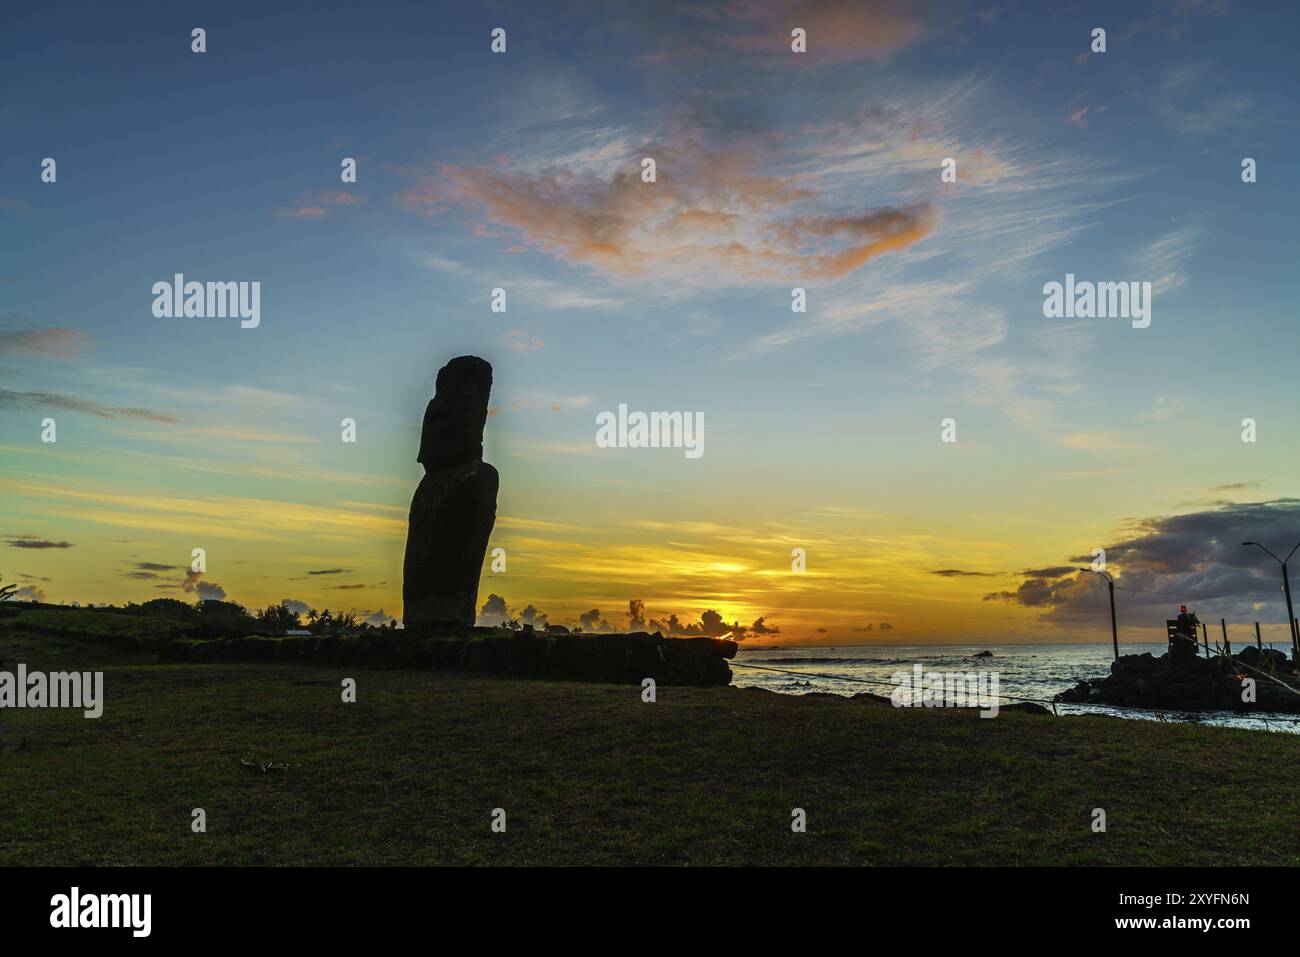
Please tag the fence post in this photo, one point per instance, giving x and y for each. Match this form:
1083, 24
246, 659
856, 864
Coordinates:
1258, 644
1209, 674
1227, 647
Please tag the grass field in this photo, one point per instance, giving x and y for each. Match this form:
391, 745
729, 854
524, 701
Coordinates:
588, 774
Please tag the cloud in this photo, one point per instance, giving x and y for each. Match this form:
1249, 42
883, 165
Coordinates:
57, 342
591, 621
30, 593
532, 616
1173, 18
1197, 105
295, 606
422, 201
210, 591
493, 612
520, 341
959, 573
636, 614
711, 624
1095, 442
302, 212
318, 205
331, 571
56, 400
672, 625
712, 215
31, 541
1162, 263
1169, 560
1056, 571
205, 590
543, 402
837, 30
380, 618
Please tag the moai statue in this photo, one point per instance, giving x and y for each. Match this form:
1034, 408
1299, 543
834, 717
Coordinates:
455, 506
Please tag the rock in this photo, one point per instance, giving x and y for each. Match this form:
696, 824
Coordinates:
646, 657
868, 697
982, 654
1250, 655
1135, 664
528, 655
454, 507
1188, 684
1025, 707
1078, 693
1265, 659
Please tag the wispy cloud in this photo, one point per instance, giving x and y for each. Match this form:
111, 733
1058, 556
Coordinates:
30, 541
57, 400
1095, 441
319, 204
712, 215
1163, 262
521, 342
56, 342
1194, 103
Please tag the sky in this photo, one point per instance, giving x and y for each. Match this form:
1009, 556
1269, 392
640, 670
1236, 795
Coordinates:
774, 170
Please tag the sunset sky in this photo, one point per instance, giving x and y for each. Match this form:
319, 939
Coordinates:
775, 170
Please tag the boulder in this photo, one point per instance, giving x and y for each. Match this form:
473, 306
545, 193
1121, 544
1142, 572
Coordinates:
1078, 693
1025, 707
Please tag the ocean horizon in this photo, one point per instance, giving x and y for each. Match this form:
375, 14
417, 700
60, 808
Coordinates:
1025, 671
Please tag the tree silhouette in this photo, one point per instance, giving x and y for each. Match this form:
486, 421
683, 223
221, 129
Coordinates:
278, 616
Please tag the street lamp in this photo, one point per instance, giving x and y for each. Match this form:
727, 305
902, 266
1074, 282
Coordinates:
1114, 631
1286, 588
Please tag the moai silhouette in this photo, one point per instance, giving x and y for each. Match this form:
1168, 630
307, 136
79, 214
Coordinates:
455, 505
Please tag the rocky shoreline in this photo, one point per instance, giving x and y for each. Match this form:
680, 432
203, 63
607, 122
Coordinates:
1223, 683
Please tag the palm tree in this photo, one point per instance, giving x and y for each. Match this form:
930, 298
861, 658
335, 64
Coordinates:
7, 592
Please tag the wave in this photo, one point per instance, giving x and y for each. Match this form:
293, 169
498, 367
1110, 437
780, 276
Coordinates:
822, 661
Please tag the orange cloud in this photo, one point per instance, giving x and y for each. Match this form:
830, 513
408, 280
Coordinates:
520, 341
317, 205
59, 342
710, 213
838, 30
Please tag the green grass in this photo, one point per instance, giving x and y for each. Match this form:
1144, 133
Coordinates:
126, 630
588, 774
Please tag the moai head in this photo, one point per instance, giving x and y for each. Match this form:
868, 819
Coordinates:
455, 416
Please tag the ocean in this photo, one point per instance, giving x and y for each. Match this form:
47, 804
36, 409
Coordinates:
1030, 671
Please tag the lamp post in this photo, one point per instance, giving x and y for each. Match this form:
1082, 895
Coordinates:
1286, 588
1114, 630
